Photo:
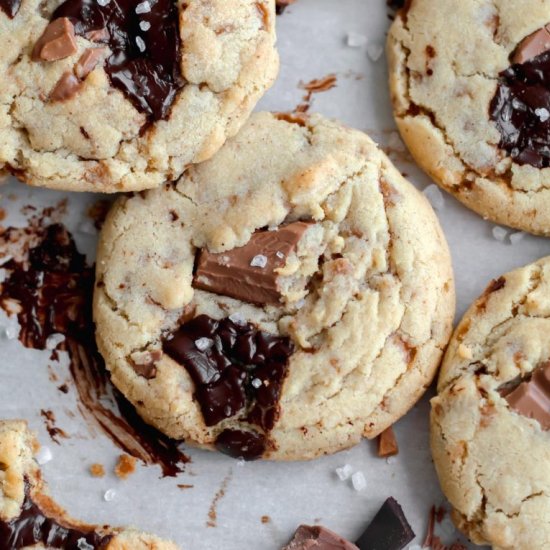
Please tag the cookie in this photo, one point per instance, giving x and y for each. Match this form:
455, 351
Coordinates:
282, 300
490, 420
29, 518
116, 95
472, 103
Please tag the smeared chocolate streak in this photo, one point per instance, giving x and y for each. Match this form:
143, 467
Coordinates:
33, 526
50, 288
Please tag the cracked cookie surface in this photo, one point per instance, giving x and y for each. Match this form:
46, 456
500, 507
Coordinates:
366, 295
443, 80
29, 518
493, 461
105, 105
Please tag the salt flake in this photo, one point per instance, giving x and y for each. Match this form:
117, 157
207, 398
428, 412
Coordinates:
256, 383
344, 472
83, 545
543, 114
259, 261
109, 495
204, 343
355, 39
358, 481
375, 51
44, 455
517, 237
143, 7
144, 25
140, 43
103, 3
53, 340
499, 233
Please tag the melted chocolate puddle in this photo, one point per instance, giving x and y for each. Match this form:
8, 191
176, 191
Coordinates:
145, 44
51, 287
521, 111
32, 527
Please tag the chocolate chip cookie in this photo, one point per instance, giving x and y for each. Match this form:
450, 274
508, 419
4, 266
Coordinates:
472, 102
120, 95
282, 300
490, 420
29, 518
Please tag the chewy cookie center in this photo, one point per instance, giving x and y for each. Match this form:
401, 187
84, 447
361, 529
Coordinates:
144, 43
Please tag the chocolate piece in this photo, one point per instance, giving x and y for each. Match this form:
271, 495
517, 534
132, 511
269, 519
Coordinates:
281, 5
57, 41
532, 45
248, 273
88, 61
531, 398
10, 7
389, 530
240, 444
521, 111
144, 64
144, 362
232, 365
66, 88
387, 444
317, 537
32, 527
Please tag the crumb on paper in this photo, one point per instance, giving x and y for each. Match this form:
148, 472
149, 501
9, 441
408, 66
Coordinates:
265, 519
387, 443
126, 466
97, 470
212, 511
185, 486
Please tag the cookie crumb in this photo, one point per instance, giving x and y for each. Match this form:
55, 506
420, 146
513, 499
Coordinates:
387, 443
97, 470
184, 486
125, 467
464, 351
265, 519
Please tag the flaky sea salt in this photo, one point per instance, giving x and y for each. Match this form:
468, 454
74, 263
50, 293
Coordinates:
434, 196
43, 456
356, 39
543, 114
140, 43
144, 25
517, 237
241, 462
256, 382
143, 7
499, 233
259, 261
237, 318
204, 343
358, 481
53, 340
446, 528
109, 495
375, 51
279, 254
103, 3
83, 545
344, 472
390, 460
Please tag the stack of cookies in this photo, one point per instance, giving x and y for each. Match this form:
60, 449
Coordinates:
276, 289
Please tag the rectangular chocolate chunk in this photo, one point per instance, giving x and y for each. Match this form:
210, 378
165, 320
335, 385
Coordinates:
317, 537
389, 530
532, 397
248, 273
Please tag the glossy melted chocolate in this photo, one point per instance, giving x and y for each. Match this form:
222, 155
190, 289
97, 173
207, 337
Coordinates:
521, 111
10, 7
238, 443
53, 289
144, 64
239, 365
33, 527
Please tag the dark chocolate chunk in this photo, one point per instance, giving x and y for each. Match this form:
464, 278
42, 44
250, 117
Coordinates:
281, 5
248, 273
32, 527
232, 365
389, 530
10, 7
241, 444
145, 47
521, 111
316, 537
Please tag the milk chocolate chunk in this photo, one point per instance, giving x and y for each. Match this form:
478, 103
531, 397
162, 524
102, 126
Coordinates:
248, 273
144, 64
144, 362
389, 530
67, 86
532, 397
387, 443
57, 41
317, 537
235, 368
88, 61
520, 110
532, 45
10, 7
33, 526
